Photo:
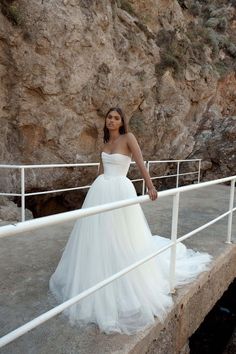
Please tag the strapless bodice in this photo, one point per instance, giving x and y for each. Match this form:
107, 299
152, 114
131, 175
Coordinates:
115, 164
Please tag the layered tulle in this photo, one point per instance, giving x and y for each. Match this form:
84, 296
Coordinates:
103, 244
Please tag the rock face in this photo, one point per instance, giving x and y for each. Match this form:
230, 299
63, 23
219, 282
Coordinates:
169, 64
10, 212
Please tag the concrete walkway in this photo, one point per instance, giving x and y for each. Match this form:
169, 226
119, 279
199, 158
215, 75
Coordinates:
28, 260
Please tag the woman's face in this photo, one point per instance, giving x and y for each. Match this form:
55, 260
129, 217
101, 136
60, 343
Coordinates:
113, 121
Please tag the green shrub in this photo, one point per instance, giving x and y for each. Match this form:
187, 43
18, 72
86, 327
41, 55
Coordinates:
182, 4
231, 49
211, 39
137, 123
222, 68
168, 61
15, 14
212, 22
195, 9
165, 38
197, 51
145, 30
222, 25
209, 31
125, 5
222, 41
11, 10
141, 75
174, 52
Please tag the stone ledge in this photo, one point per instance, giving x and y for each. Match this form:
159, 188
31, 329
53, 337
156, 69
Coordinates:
192, 303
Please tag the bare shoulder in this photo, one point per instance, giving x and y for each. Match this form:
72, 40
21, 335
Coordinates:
131, 139
130, 136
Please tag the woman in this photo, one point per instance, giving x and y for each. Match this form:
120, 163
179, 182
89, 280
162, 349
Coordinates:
117, 139
103, 244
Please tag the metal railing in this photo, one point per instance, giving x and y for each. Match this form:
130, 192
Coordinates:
149, 163
24, 168
72, 215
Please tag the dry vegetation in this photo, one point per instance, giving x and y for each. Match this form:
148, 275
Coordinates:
209, 33
11, 10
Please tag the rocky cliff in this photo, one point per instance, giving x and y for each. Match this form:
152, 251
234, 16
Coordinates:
169, 64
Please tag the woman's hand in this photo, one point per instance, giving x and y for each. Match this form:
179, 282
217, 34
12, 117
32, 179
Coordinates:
153, 195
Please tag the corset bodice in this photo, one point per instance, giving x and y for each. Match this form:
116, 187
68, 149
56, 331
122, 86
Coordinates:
115, 164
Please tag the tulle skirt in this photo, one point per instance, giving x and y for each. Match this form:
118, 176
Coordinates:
103, 244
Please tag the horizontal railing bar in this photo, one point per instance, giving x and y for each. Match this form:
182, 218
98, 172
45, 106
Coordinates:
11, 166
188, 160
159, 177
71, 215
57, 190
66, 189
69, 189
174, 175
58, 309
52, 165
137, 180
191, 233
77, 165
188, 173
10, 194
67, 216
84, 164
85, 187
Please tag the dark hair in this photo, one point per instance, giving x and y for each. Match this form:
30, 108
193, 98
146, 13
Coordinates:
122, 130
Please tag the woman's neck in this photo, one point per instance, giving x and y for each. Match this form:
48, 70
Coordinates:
113, 136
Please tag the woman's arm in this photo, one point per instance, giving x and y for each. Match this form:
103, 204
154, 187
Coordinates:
138, 158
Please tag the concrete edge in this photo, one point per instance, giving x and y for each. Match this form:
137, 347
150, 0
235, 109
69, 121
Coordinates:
191, 304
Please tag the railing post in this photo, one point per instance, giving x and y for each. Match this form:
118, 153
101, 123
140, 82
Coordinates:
177, 172
143, 186
230, 217
199, 171
22, 194
175, 215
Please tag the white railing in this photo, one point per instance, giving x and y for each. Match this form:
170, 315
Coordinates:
178, 162
24, 168
72, 215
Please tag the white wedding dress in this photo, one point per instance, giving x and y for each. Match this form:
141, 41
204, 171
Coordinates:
103, 244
